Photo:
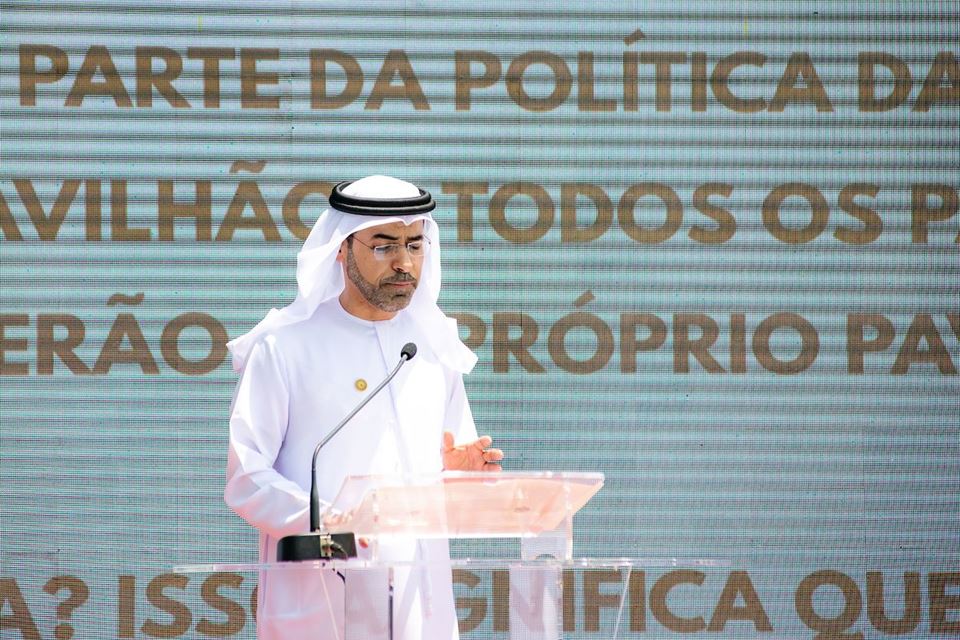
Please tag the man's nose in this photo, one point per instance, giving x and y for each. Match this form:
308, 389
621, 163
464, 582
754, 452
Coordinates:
403, 260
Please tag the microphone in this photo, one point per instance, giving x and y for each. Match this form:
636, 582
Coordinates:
317, 544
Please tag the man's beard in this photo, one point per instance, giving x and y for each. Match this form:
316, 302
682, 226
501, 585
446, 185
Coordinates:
384, 298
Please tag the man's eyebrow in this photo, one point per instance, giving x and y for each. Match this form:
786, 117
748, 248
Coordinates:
385, 236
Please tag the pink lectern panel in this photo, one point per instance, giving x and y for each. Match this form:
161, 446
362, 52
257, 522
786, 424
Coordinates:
461, 504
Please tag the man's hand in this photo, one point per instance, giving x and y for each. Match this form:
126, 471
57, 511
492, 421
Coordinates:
476, 456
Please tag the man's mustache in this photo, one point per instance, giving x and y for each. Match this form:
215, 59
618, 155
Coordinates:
400, 277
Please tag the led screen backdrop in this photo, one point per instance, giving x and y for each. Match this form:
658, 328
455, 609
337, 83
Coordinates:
708, 249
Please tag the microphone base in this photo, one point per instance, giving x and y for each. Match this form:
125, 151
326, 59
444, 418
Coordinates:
317, 545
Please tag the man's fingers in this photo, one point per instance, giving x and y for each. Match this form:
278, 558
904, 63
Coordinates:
476, 455
483, 442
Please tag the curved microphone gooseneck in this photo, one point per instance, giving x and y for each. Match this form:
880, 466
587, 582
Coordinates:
317, 544
409, 350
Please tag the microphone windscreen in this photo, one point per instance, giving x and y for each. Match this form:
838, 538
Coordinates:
409, 350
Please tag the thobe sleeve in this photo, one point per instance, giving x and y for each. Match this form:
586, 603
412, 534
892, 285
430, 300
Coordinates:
458, 418
259, 494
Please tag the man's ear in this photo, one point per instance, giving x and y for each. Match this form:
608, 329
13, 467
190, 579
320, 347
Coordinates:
342, 252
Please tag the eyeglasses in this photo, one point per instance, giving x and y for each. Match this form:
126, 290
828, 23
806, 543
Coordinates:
416, 249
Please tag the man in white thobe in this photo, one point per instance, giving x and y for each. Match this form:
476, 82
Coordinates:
368, 281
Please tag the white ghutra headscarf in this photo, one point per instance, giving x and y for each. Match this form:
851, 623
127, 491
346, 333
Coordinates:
320, 277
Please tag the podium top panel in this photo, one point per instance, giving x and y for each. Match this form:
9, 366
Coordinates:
460, 504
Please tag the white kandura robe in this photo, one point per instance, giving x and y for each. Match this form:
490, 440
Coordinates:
299, 382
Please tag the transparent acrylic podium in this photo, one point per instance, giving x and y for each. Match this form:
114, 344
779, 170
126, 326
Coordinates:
536, 508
